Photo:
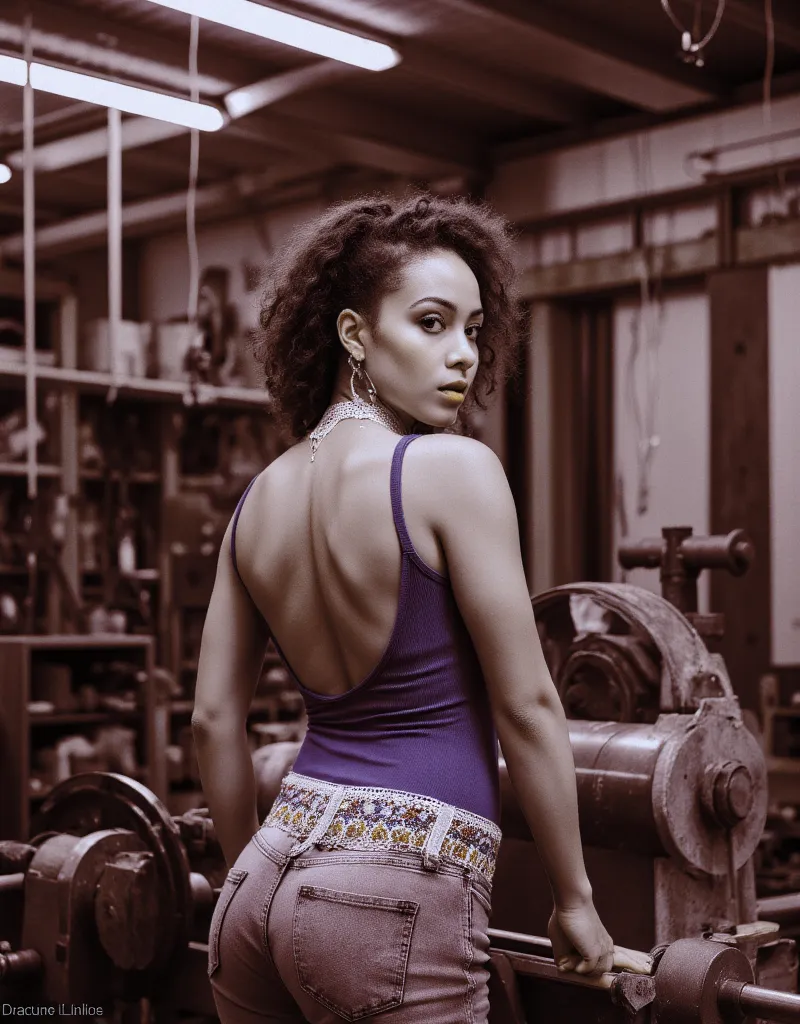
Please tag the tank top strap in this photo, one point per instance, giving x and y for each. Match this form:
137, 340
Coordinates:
396, 492
236, 520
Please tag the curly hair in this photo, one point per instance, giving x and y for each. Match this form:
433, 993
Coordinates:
350, 257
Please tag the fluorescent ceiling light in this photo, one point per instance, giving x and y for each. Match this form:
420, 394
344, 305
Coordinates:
5, 173
106, 93
13, 70
291, 30
129, 98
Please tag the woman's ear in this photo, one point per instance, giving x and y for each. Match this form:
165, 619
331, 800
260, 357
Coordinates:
351, 327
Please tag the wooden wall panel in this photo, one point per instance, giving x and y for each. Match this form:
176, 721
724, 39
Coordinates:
740, 486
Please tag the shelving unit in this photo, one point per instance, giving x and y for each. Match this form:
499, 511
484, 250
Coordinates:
74, 672
165, 409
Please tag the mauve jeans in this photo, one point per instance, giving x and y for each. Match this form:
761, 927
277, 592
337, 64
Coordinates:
324, 935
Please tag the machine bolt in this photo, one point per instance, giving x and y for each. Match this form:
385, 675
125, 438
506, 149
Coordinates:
729, 793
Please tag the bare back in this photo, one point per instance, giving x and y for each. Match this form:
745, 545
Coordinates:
319, 554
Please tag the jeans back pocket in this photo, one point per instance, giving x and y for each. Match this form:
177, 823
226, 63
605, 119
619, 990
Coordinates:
351, 950
233, 880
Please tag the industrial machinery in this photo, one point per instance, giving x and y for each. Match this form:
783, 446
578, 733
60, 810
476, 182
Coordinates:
110, 899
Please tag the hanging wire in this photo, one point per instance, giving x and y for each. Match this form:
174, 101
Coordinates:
691, 47
29, 261
783, 198
191, 196
769, 66
646, 335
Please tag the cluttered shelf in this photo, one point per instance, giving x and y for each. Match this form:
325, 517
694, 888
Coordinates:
71, 704
141, 387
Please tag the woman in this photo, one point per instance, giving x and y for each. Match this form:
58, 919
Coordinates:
387, 564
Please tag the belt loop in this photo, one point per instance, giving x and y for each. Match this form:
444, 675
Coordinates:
433, 844
321, 827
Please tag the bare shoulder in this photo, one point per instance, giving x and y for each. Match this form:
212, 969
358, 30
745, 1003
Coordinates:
453, 453
457, 476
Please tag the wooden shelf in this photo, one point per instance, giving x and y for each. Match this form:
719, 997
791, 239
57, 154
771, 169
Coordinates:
141, 575
136, 477
141, 387
21, 469
25, 731
76, 641
80, 717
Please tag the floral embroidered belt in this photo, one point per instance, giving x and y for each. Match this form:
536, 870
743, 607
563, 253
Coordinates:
367, 818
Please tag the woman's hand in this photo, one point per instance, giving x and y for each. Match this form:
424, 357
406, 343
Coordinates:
580, 942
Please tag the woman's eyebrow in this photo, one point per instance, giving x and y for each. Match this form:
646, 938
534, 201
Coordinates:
443, 302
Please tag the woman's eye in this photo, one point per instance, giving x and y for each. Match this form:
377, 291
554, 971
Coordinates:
430, 322
473, 331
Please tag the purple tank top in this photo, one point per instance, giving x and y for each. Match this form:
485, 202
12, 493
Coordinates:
421, 720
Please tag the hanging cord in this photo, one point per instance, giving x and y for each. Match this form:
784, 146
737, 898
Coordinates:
647, 328
190, 396
194, 166
646, 335
693, 50
766, 106
29, 260
769, 66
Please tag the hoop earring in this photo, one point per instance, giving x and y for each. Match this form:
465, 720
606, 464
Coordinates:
359, 372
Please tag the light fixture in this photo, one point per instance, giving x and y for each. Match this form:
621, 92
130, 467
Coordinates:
13, 70
5, 173
291, 30
106, 93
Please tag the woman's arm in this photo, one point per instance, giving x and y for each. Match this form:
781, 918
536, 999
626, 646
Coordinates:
470, 504
231, 655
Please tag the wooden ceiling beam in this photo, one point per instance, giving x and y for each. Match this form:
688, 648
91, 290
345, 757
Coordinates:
474, 82
569, 49
139, 218
343, 147
752, 18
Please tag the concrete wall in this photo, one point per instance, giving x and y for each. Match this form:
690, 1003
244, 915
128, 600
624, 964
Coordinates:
235, 244
668, 158
660, 160
676, 351
784, 381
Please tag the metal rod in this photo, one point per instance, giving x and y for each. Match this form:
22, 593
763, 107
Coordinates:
765, 1003
785, 909
12, 883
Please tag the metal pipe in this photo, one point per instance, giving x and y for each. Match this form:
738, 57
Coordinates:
783, 909
615, 764
764, 1003
26, 963
12, 883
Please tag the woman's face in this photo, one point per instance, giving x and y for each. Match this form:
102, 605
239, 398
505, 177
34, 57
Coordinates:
424, 338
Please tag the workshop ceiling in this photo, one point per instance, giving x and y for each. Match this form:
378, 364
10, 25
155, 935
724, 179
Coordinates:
478, 80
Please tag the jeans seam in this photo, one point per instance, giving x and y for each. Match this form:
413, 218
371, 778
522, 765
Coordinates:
274, 855
470, 950
267, 903
365, 857
234, 879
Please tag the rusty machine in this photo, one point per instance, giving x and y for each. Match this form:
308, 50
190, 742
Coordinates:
109, 900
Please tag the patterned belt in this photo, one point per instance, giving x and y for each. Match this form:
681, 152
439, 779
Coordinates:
368, 818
